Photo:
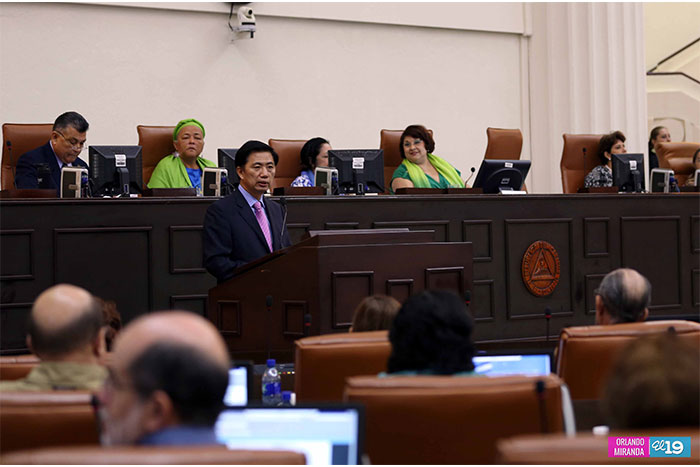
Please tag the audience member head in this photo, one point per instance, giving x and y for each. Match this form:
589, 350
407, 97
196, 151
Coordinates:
111, 320
432, 332
168, 369
188, 139
255, 165
659, 134
613, 143
655, 383
622, 297
68, 136
65, 325
374, 313
314, 153
417, 141
696, 159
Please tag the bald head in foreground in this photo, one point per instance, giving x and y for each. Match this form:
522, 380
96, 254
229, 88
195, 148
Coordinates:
66, 333
624, 296
166, 382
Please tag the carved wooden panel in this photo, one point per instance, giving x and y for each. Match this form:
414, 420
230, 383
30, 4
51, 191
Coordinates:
297, 231
400, 289
16, 255
229, 318
196, 303
294, 311
185, 253
347, 291
651, 245
695, 276
13, 326
695, 234
97, 258
451, 278
592, 282
596, 237
440, 227
480, 234
483, 306
520, 234
341, 225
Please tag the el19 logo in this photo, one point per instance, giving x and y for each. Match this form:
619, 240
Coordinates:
669, 446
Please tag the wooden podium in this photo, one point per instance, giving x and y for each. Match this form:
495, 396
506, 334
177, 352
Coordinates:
313, 287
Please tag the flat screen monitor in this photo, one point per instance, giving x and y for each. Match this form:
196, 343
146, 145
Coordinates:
628, 172
227, 160
496, 176
240, 384
360, 171
513, 364
326, 435
115, 170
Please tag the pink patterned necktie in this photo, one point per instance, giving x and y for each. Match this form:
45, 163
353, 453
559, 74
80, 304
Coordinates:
262, 220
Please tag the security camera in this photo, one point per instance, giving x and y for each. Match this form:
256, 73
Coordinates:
246, 21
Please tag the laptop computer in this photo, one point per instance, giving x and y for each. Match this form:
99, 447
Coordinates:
518, 362
330, 434
240, 384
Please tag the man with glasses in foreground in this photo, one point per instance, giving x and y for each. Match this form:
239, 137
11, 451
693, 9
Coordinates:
67, 142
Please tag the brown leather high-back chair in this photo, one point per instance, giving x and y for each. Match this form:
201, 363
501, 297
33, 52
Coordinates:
389, 141
18, 138
503, 143
153, 455
35, 419
587, 448
587, 354
156, 142
451, 419
17, 366
322, 363
679, 158
574, 167
289, 165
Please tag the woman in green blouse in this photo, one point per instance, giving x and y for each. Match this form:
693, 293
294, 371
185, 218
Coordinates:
420, 168
183, 168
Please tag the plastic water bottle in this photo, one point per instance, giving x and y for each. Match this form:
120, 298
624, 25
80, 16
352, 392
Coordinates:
271, 389
286, 399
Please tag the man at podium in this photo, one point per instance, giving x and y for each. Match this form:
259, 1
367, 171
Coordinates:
244, 226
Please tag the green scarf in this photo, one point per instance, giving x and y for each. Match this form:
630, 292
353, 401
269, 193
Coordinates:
420, 179
187, 122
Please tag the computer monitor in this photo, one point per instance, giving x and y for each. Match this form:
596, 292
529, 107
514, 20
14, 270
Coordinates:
240, 384
628, 172
115, 170
496, 176
326, 434
227, 160
360, 171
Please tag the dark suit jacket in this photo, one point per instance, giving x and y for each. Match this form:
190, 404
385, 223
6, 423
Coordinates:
26, 173
232, 236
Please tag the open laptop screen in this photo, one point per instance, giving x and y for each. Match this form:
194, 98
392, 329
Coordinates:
326, 435
515, 364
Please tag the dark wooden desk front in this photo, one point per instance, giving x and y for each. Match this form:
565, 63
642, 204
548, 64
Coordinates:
146, 253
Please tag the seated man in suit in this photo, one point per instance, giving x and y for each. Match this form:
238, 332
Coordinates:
67, 142
167, 381
622, 297
244, 226
66, 332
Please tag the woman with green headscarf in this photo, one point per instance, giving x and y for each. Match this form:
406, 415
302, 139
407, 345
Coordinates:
420, 168
183, 169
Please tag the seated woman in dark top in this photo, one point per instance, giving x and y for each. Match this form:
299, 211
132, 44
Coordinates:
432, 335
420, 168
314, 154
658, 135
614, 143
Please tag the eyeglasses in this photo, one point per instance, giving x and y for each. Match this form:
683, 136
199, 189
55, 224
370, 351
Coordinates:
75, 144
415, 142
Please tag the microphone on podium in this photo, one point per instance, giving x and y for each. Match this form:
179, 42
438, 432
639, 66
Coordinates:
466, 183
547, 316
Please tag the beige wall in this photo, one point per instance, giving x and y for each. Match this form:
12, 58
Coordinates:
668, 26
343, 71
